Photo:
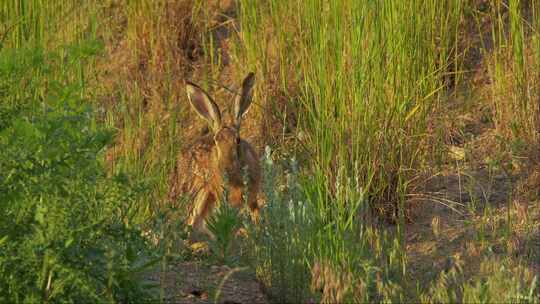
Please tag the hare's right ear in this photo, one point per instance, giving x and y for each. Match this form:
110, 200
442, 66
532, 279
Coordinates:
243, 101
204, 105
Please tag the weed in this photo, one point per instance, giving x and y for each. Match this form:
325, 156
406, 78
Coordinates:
68, 233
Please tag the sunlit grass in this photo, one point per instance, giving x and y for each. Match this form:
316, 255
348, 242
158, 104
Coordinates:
515, 94
367, 75
353, 84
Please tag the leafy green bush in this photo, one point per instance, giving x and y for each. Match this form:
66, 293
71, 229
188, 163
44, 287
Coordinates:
65, 233
306, 249
279, 246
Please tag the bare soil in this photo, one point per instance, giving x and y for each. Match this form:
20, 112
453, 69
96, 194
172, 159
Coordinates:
199, 283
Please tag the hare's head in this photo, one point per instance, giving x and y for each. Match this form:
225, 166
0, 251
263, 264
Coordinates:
226, 135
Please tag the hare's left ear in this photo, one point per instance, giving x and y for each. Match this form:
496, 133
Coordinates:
204, 105
243, 101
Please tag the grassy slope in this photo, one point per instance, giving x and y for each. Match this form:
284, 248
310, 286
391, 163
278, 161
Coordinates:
373, 101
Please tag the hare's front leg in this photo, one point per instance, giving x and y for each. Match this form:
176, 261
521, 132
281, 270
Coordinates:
235, 196
202, 206
253, 191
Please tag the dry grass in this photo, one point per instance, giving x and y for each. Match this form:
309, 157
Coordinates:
351, 116
142, 75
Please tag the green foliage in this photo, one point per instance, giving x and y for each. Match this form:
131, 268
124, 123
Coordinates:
365, 75
279, 245
66, 232
301, 250
514, 73
223, 223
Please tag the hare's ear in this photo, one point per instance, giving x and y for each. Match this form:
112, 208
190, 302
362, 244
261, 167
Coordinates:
204, 105
242, 102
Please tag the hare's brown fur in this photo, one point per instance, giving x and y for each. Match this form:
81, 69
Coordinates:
216, 161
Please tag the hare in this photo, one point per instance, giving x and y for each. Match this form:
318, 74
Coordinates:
217, 160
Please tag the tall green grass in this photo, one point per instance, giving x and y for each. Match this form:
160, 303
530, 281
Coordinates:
367, 76
47, 23
514, 73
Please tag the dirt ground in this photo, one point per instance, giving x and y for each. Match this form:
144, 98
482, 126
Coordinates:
447, 230
199, 283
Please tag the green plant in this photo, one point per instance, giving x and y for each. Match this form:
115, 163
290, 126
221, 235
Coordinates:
68, 233
300, 252
278, 246
514, 76
223, 223
363, 78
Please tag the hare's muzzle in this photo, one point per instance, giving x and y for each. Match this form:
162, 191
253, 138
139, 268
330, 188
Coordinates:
227, 147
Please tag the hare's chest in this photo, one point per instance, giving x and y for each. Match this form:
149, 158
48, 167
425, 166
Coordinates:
202, 163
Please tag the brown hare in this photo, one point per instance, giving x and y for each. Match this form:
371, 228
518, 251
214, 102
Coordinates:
217, 160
